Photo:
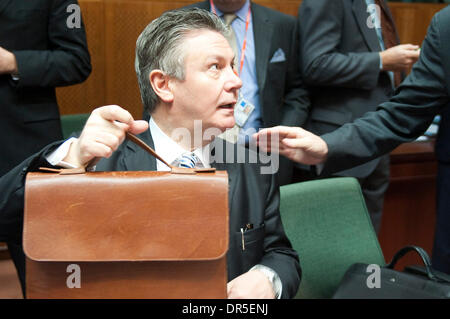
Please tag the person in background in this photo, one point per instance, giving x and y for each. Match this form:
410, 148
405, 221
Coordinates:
424, 94
351, 62
42, 46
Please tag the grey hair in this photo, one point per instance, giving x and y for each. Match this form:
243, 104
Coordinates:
159, 46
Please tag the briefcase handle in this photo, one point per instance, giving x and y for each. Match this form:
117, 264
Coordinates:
145, 147
422, 253
136, 140
173, 169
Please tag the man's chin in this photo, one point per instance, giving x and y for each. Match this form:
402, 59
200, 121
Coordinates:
227, 127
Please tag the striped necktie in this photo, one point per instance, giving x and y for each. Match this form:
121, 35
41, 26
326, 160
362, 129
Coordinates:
188, 160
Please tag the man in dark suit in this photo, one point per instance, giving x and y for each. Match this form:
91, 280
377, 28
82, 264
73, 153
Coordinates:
423, 94
185, 72
271, 79
42, 45
348, 55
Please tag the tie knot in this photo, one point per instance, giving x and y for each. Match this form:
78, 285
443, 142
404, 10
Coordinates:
228, 18
188, 160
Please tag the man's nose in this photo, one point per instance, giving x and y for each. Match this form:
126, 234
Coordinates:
234, 82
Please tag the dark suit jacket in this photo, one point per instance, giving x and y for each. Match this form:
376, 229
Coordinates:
341, 66
283, 97
48, 54
253, 198
423, 94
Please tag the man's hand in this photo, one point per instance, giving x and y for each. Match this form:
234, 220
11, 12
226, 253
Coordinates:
8, 63
251, 285
103, 133
295, 143
400, 57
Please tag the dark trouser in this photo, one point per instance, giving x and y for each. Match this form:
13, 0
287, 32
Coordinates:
373, 188
441, 248
18, 256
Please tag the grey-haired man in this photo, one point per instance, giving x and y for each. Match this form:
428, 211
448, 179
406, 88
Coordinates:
185, 71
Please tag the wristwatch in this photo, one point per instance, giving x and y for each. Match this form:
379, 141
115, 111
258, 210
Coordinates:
273, 278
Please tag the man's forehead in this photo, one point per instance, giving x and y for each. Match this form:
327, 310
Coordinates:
208, 42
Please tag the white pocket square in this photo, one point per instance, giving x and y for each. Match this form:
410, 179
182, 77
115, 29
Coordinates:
278, 56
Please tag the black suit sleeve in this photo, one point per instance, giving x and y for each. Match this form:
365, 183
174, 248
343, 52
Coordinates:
12, 186
65, 62
278, 252
406, 116
321, 25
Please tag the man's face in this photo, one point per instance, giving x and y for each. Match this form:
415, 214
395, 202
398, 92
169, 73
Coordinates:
210, 88
229, 6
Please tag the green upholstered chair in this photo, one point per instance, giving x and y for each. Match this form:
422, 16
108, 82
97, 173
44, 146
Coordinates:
73, 123
328, 224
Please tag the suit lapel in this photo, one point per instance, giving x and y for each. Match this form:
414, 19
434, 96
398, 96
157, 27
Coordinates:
262, 32
136, 158
369, 34
221, 164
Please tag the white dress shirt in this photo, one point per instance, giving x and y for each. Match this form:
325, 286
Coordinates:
169, 150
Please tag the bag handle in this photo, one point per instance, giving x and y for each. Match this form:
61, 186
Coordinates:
136, 140
145, 147
422, 253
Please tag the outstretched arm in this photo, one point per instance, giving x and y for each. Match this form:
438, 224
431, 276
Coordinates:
406, 116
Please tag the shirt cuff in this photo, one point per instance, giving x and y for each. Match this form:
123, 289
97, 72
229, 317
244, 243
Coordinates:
319, 168
273, 278
381, 61
57, 156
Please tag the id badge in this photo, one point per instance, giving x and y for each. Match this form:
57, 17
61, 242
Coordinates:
242, 111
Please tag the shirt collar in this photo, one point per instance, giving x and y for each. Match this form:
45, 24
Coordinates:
169, 150
241, 13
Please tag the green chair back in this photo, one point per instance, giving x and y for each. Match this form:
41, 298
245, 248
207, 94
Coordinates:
72, 123
328, 224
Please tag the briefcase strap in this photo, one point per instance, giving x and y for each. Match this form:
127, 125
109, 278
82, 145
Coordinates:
136, 140
173, 169
144, 146
422, 253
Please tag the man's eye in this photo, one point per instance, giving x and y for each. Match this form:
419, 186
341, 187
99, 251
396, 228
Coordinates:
214, 67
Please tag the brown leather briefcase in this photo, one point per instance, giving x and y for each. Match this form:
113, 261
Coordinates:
126, 234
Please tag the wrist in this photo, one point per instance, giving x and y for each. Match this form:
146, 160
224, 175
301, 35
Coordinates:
13, 70
272, 277
73, 155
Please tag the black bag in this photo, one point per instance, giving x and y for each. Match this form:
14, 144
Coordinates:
363, 281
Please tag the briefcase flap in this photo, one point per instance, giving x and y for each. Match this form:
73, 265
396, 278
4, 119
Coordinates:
126, 216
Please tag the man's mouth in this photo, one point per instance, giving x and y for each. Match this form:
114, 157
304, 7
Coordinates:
227, 106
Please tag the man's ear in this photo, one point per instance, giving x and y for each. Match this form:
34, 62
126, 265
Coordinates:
160, 84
